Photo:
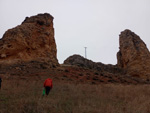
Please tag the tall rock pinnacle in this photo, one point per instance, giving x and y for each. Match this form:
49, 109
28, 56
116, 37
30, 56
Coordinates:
133, 55
33, 40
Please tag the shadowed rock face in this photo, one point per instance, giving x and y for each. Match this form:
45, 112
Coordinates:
33, 40
80, 61
133, 55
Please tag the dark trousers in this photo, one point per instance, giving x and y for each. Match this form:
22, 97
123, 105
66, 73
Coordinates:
47, 90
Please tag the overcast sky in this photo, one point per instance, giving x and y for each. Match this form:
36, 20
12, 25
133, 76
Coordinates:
95, 24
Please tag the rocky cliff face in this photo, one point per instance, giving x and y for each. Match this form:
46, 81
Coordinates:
33, 40
133, 55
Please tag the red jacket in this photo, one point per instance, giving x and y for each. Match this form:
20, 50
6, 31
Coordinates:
48, 82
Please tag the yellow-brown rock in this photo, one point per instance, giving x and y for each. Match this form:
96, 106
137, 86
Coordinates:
33, 40
133, 55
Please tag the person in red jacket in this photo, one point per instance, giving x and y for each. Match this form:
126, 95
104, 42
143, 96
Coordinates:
48, 85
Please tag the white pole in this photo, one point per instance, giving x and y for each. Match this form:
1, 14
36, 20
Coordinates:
85, 52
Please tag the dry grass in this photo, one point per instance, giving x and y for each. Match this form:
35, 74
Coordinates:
25, 96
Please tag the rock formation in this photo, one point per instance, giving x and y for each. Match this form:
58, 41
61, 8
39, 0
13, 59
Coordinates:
30, 47
133, 58
33, 40
87, 70
80, 61
133, 55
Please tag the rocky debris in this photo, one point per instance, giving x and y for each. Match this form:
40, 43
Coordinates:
69, 74
133, 56
31, 41
77, 74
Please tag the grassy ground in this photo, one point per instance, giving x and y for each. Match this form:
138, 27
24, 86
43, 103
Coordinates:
25, 96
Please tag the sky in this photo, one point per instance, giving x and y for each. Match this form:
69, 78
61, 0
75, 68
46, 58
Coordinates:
95, 24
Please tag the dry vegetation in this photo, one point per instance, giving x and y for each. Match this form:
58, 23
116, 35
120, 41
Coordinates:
25, 96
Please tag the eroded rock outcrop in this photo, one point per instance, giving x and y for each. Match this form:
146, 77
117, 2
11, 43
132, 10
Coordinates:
87, 70
80, 61
133, 55
33, 40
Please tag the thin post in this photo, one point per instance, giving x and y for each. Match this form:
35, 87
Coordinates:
85, 52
